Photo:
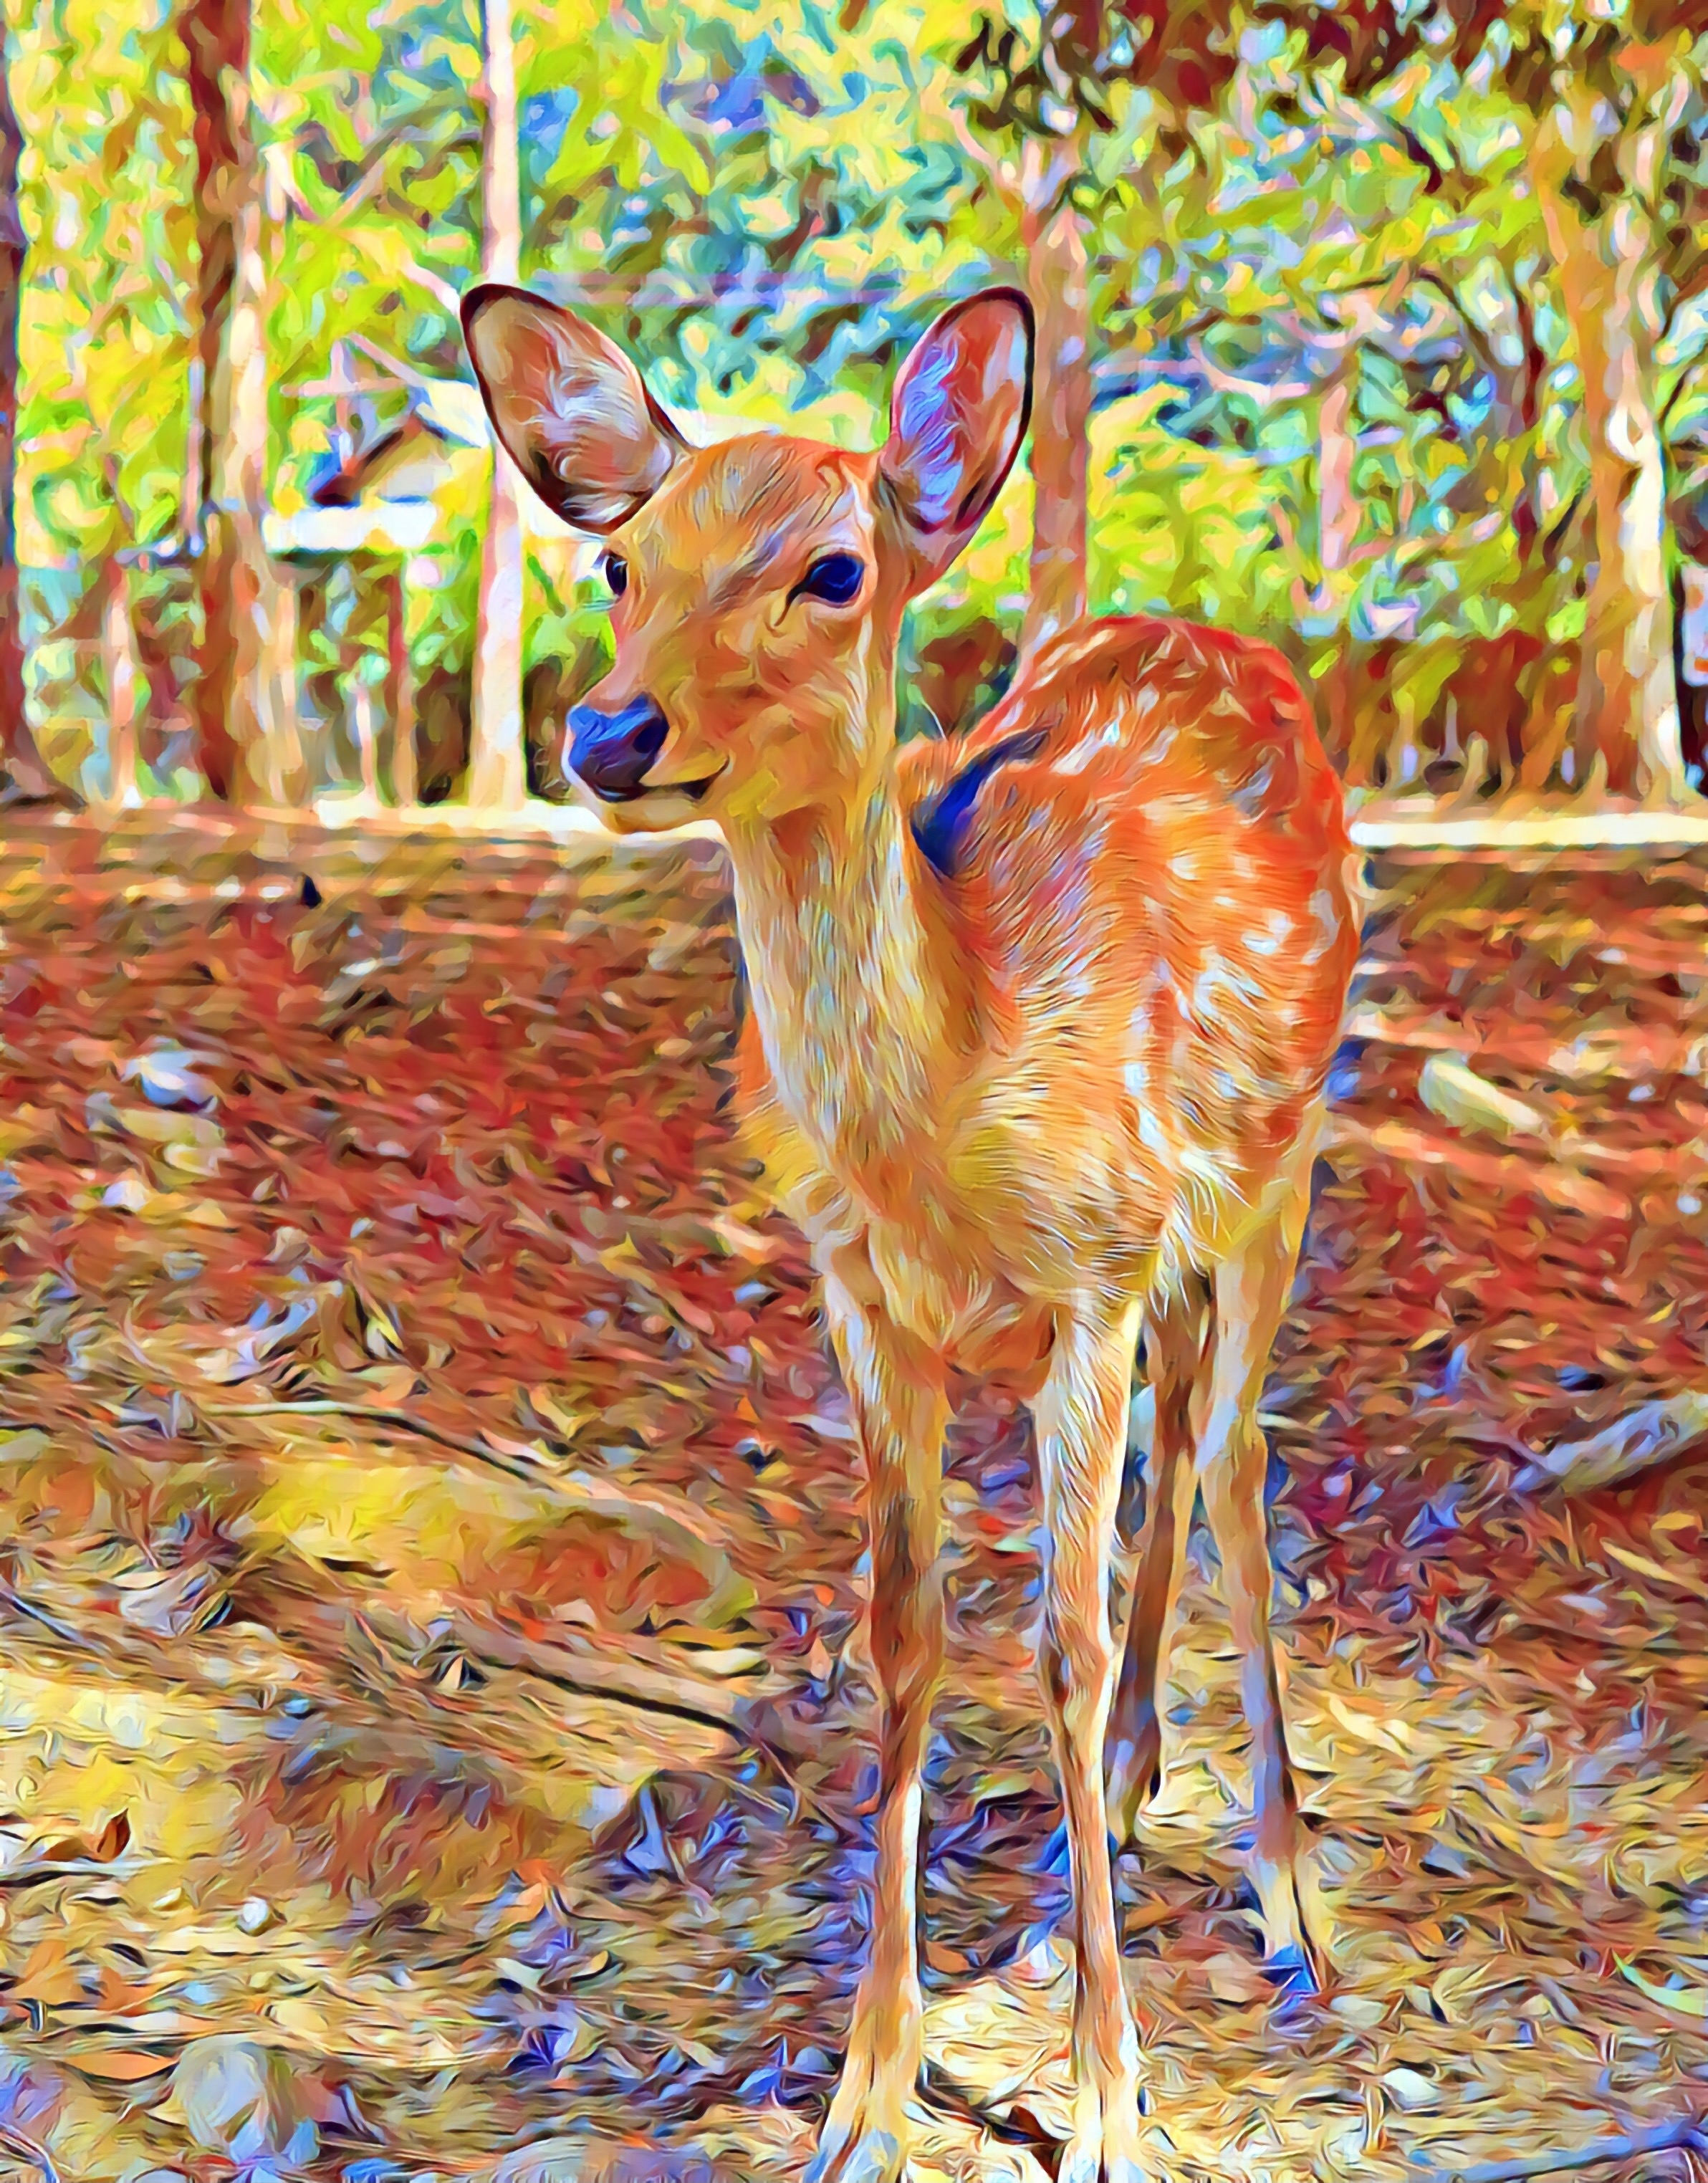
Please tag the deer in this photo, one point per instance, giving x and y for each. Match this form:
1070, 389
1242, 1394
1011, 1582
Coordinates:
1039, 1024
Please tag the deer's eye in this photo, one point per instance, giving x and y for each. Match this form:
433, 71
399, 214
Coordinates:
834, 578
616, 574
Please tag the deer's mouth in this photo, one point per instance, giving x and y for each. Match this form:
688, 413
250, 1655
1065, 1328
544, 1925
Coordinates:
695, 791
616, 793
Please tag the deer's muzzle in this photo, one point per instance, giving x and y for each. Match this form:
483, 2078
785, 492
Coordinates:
612, 754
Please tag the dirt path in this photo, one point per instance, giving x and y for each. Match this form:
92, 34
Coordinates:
429, 1556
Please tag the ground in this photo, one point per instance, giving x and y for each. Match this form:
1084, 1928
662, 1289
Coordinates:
431, 1719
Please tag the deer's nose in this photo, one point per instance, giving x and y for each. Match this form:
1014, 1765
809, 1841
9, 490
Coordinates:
613, 753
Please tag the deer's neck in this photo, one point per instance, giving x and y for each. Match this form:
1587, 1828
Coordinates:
845, 964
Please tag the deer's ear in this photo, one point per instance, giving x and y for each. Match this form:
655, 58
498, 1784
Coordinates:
568, 406
958, 415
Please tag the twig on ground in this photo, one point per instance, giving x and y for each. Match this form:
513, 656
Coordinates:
710, 1703
1683, 2133
1653, 1433
27, 2149
569, 1663
1017, 2128
696, 1535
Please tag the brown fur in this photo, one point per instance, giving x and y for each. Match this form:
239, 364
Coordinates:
1073, 1083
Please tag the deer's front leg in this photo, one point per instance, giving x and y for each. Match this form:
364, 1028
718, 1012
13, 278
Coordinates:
1081, 1417
896, 1386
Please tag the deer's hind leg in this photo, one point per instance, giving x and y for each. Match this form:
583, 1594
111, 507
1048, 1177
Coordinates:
1177, 1325
1252, 1284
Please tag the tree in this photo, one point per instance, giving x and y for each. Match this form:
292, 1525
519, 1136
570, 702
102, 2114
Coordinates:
497, 764
1090, 91
1387, 374
1617, 162
29, 774
216, 44
1610, 102
1046, 98
247, 737
1367, 446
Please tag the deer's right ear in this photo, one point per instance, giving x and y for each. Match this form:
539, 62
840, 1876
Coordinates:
569, 406
958, 415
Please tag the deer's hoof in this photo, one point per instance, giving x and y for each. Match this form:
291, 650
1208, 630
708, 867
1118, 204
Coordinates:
869, 2129
1105, 2145
1131, 1783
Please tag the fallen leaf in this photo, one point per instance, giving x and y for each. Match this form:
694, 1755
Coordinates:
1683, 2000
47, 1978
121, 2065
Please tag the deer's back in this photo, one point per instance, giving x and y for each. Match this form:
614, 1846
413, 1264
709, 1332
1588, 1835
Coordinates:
1154, 883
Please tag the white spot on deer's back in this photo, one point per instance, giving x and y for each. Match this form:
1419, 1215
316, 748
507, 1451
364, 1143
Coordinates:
1219, 976
1080, 755
1325, 913
1270, 942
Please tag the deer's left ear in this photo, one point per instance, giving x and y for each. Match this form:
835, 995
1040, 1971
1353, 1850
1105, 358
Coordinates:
569, 407
958, 415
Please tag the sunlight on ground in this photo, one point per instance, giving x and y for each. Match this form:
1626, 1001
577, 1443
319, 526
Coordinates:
433, 1712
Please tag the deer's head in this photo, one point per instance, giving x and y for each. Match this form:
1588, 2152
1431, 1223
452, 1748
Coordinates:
759, 585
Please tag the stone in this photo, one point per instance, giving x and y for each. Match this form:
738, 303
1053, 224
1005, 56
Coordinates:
244, 2101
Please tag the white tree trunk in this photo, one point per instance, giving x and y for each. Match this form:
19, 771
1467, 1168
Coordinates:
497, 779
119, 655
1628, 695
1336, 450
401, 686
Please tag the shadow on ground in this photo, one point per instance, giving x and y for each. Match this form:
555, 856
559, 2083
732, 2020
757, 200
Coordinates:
432, 1716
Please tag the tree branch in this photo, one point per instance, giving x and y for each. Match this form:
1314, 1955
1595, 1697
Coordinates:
999, 174
1690, 284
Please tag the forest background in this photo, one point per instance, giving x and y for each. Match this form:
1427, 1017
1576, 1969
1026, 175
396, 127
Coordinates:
1375, 329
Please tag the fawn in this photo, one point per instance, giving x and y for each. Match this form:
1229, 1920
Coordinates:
1041, 1020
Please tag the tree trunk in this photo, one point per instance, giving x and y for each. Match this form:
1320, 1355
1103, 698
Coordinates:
366, 741
1628, 697
286, 770
28, 770
1337, 534
400, 687
498, 778
1337, 508
1052, 233
1627, 692
216, 45
244, 708
118, 662
261, 732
